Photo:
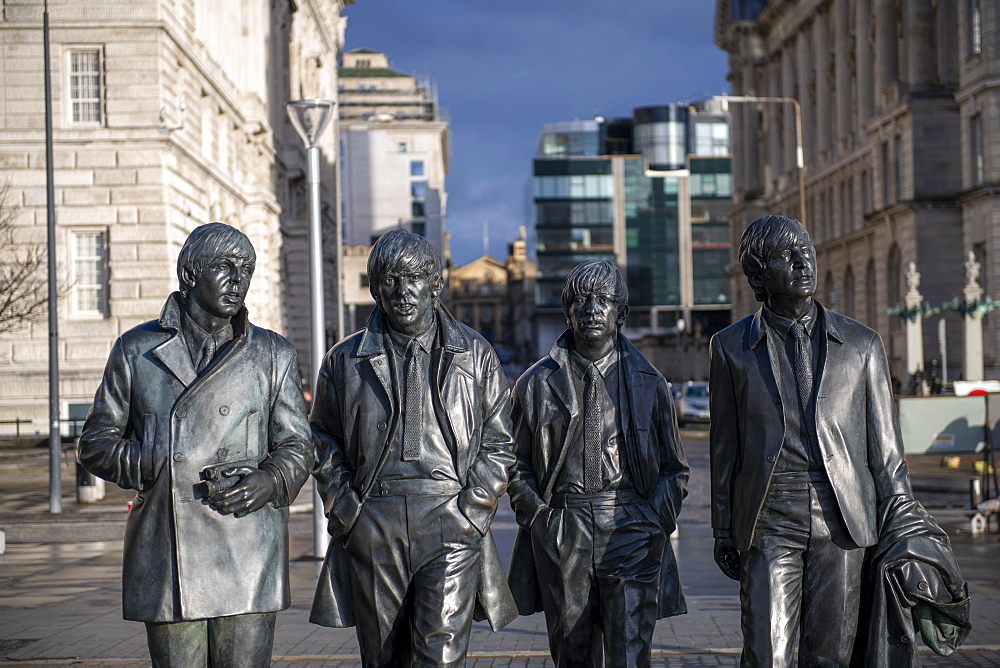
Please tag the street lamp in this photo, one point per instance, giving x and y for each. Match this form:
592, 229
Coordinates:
800, 162
310, 117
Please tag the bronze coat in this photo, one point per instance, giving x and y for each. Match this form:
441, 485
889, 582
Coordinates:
547, 414
155, 425
859, 439
354, 415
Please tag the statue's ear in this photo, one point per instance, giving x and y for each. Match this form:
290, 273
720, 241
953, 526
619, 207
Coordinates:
188, 279
622, 314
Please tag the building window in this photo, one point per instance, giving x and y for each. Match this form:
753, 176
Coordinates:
711, 138
886, 171
416, 168
90, 274
85, 86
976, 148
419, 227
364, 281
897, 167
363, 63
975, 27
418, 195
401, 147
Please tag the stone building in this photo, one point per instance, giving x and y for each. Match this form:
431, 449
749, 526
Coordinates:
167, 114
477, 296
900, 113
395, 140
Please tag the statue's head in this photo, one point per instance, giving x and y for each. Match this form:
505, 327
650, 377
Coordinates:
778, 258
595, 300
404, 273
207, 244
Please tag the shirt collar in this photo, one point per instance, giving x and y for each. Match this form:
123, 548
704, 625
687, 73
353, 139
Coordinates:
425, 339
195, 336
781, 325
580, 363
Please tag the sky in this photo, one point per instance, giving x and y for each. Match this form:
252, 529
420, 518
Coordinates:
503, 69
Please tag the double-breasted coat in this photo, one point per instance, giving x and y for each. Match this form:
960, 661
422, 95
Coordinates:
548, 413
859, 439
155, 425
354, 414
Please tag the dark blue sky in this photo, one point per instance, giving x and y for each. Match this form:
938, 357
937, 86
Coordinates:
502, 69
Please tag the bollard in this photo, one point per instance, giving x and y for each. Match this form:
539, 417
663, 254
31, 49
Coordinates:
89, 488
975, 492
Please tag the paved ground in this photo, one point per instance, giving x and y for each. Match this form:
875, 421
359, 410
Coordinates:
60, 590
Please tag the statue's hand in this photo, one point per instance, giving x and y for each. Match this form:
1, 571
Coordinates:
728, 557
251, 493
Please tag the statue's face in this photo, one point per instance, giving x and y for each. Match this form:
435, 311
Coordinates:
407, 299
593, 316
222, 286
790, 273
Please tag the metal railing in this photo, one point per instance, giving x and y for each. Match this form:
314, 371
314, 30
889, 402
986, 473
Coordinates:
70, 427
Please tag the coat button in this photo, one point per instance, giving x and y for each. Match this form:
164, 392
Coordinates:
770, 458
224, 410
179, 457
776, 400
381, 426
182, 413
221, 453
922, 586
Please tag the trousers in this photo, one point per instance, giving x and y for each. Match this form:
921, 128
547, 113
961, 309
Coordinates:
598, 564
415, 567
800, 578
239, 640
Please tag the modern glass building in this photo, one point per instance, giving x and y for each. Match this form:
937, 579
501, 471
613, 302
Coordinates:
650, 193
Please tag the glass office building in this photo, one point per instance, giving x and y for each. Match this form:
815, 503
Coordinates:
648, 192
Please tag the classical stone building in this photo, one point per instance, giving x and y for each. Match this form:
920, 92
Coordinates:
477, 295
166, 114
395, 140
900, 112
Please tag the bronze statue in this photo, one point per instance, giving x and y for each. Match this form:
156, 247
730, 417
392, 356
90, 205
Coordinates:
805, 444
202, 414
412, 422
598, 484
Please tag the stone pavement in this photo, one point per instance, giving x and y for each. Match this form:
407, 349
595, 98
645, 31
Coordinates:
60, 589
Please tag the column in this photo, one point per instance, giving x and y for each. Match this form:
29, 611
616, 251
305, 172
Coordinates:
842, 75
821, 60
863, 45
971, 294
886, 55
772, 112
920, 47
913, 301
788, 90
804, 65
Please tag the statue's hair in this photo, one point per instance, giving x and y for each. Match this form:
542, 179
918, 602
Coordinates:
207, 243
595, 276
760, 240
402, 251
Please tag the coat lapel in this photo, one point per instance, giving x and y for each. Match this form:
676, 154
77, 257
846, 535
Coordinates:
175, 356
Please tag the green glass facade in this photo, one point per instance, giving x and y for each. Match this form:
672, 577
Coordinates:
651, 237
573, 219
711, 197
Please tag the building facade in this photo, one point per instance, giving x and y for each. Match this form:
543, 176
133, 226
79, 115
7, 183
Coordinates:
900, 114
650, 193
167, 114
395, 151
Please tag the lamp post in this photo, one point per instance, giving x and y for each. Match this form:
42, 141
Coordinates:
310, 117
800, 162
55, 438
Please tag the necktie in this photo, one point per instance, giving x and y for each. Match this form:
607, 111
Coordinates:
207, 353
592, 426
413, 403
804, 381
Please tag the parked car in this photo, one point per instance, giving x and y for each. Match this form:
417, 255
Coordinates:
692, 406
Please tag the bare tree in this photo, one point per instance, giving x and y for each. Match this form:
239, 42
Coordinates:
23, 281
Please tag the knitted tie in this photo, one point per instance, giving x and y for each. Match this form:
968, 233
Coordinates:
207, 353
804, 381
592, 428
413, 403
